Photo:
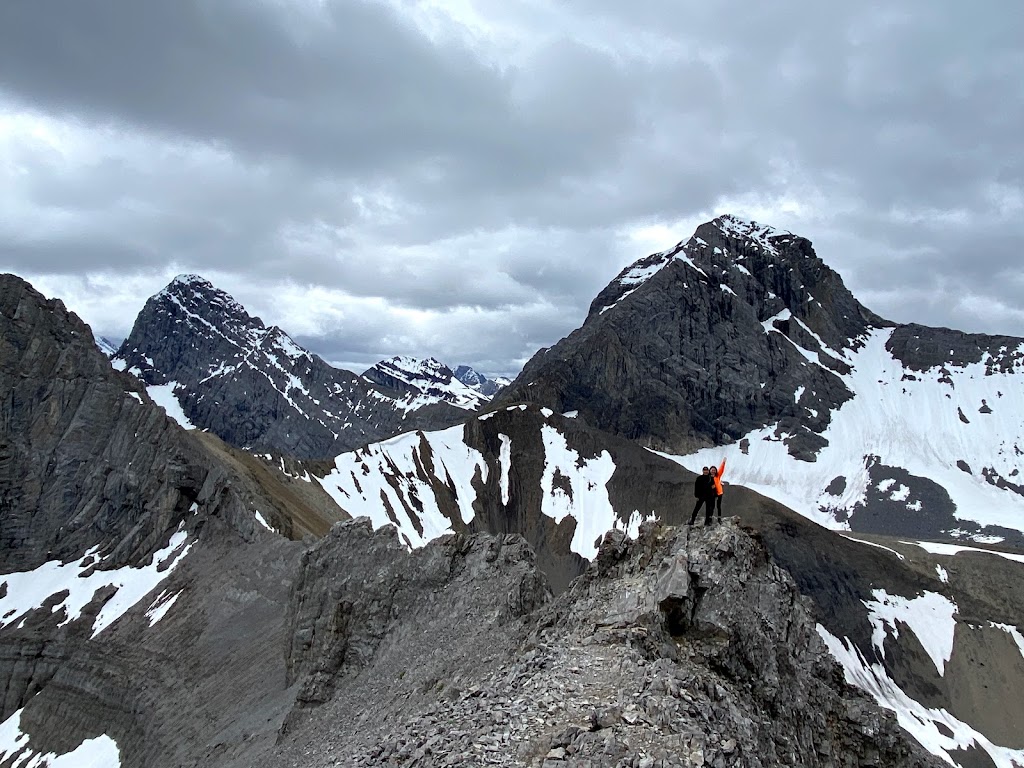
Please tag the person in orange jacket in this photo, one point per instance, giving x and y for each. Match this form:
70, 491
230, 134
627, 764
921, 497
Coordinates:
716, 478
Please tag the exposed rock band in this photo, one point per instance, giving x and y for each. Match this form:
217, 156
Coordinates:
708, 490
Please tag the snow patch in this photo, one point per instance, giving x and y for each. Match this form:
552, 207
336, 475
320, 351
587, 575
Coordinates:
28, 590
928, 726
929, 617
585, 499
100, 752
163, 395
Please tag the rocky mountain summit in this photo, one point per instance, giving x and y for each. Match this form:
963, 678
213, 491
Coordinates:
204, 356
743, 337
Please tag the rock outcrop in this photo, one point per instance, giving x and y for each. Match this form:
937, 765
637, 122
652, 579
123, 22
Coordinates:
681, 648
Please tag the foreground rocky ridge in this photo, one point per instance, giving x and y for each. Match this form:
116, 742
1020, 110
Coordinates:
685, 647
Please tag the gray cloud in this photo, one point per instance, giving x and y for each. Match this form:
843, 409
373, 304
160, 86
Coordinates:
464, 187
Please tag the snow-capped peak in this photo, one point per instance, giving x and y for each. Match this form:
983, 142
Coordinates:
473, 379
760, 234
425, 381
190, 290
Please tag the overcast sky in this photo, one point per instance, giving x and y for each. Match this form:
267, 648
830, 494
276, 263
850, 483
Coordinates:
459, 178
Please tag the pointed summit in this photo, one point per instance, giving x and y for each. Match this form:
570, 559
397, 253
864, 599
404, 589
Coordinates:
424, 382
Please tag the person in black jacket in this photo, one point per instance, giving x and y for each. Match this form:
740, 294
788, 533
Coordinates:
704, 490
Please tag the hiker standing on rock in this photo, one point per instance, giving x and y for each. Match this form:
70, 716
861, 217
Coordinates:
704, 490
716, 481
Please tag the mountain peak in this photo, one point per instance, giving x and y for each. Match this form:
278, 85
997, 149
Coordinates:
424, 381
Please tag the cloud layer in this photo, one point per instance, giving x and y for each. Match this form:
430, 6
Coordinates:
459, 179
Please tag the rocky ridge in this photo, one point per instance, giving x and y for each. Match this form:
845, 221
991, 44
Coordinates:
685, 647
253, 386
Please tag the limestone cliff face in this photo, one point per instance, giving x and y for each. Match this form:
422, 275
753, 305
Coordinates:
698, 345
739, 327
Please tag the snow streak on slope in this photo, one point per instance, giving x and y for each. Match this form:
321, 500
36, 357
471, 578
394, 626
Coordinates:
930, 617
929, 726
163, 395
101, 752
577, 487
430, 381
361, 482
937, 548
426, 484
28, 590
638, 273
921, 422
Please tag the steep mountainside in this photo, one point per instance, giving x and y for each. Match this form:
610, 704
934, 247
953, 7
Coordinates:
742, 337
215, 367
87, 460
425, 382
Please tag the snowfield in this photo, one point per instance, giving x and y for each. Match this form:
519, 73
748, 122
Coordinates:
924, 424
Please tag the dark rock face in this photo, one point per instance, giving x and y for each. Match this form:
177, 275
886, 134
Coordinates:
715, 344
357, 588
920, 348
252, 385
